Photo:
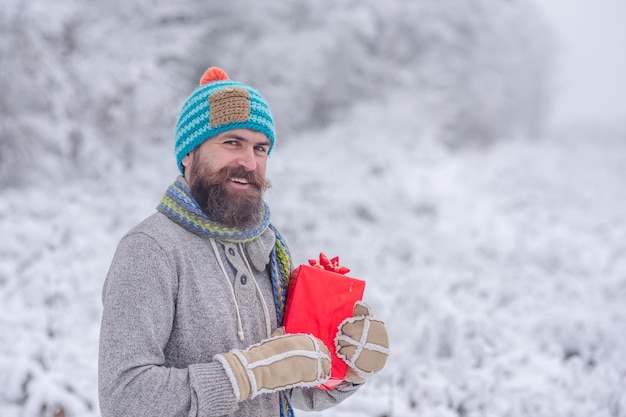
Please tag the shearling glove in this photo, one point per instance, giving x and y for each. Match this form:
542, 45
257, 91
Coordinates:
278, 363
362, 342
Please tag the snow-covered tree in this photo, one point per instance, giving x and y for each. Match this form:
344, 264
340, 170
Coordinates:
88, 84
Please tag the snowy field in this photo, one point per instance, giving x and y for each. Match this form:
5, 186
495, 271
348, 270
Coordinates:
501, 272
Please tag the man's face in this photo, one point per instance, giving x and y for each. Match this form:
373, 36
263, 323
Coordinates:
226, 175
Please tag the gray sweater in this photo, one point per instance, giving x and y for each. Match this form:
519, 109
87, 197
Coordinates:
168, 309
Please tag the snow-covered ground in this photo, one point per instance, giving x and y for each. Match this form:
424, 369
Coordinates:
501, 272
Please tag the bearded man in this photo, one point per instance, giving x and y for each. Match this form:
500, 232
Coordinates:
195, 295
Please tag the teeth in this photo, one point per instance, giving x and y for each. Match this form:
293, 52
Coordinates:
239, 180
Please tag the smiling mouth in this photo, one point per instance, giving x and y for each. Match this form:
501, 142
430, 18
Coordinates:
239, 180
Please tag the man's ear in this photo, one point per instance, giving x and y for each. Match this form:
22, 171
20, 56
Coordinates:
186, 163
186, 160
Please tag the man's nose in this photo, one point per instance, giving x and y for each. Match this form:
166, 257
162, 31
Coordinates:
247, 160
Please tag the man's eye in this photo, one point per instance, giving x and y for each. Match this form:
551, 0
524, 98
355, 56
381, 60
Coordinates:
261, 149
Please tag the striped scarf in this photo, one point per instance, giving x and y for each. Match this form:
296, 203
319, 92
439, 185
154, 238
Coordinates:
180, 207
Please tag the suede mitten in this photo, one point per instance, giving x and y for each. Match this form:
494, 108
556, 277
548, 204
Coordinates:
278, 363
362, 342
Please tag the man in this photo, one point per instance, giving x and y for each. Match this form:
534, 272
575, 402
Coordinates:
196, 293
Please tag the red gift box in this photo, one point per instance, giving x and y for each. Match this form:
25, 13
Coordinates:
320, 297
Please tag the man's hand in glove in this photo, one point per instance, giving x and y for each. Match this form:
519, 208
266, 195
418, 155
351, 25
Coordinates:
362, 342
278, 363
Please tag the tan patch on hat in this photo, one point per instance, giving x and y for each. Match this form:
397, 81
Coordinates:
232, 104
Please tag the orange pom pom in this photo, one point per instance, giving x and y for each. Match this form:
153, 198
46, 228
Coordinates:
213, 74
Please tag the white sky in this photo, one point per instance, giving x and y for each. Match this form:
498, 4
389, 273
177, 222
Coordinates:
592, 65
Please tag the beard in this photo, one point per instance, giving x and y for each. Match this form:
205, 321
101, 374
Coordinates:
237, 208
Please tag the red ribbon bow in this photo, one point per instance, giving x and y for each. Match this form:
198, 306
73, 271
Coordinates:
329, 264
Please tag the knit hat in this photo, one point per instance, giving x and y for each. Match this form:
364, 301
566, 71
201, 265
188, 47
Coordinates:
219, 105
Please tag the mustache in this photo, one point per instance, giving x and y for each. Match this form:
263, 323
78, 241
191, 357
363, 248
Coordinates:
252, 177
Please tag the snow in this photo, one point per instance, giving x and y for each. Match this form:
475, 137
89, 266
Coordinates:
500, 270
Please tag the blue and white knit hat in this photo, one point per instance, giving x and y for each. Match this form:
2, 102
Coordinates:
219, 105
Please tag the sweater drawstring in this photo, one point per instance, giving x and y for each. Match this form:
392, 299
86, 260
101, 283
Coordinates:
232, 290
266, 312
